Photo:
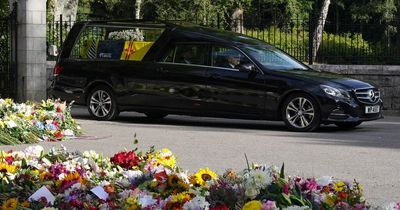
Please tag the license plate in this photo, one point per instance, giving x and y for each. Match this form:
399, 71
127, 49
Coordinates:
372, 109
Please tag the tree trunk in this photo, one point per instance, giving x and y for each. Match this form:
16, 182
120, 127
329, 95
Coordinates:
68, 8
138, 7
319, 29
237, 21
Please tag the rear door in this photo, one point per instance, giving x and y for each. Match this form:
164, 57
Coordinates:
233, 88
178, 82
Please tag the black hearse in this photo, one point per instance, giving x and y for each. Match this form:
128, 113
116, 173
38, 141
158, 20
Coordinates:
162, 68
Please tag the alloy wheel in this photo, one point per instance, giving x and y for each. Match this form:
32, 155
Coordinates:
300, 112
100, 103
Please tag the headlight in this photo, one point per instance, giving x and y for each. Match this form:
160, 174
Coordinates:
335, 92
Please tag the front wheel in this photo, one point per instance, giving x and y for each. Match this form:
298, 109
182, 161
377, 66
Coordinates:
102, 104
347, 125
301, 112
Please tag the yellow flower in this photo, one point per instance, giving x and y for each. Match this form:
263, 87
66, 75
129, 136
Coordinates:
166, 158
9, 101
203, 176
2, 124
25, 204
132, 204
10, 204
181, 198
330, 200
338, 186
359, 187
252, 205
75, 176
4, 167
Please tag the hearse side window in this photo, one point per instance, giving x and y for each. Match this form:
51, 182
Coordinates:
114, 43
227, 57
187, 54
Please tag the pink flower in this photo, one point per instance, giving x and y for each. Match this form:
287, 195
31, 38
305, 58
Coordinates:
269, 205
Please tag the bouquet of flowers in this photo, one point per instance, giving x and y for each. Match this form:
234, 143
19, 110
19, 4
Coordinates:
35, 179
127, 35
32, 122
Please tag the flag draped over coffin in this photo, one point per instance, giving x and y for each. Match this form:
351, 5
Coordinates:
135, 50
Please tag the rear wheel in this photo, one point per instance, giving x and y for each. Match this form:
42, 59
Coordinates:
347, 125
301, 112
102, 104
155, 116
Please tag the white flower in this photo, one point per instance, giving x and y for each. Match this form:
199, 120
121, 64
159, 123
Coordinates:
251, 190
10, 124
184, 176
68, 132
126, 194
146, 200
123, 182
34, 151
132, 175
197, 203
91, 154
297, 208
325, 180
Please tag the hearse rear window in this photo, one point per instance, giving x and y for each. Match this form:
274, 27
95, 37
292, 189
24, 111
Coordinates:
115, 43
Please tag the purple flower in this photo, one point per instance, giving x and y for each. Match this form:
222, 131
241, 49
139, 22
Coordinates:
269, 205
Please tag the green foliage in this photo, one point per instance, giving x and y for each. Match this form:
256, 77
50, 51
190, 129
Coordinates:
4, 8
343, 48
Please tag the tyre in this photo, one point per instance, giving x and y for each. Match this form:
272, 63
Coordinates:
347, 125
155, 115
102, 104
301, 112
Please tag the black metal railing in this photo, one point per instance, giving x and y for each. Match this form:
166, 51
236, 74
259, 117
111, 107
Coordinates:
8, 56
344, 42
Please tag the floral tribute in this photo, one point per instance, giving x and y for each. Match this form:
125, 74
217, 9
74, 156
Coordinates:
152, 180
32, 122
127, 35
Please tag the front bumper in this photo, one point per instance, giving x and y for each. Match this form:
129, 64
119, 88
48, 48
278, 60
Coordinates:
352, 110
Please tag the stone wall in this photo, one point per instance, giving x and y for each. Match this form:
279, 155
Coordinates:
386, 78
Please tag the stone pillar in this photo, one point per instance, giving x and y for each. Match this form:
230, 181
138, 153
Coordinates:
31, 50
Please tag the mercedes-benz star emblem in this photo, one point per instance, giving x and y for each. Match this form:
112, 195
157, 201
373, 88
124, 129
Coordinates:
371, 95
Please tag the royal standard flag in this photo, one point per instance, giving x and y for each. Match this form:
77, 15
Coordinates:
135, 50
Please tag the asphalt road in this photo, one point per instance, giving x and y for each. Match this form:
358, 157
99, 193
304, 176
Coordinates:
370, 153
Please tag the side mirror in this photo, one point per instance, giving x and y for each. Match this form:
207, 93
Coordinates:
247, 67
52, 50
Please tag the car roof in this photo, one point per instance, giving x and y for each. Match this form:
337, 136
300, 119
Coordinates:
185, 28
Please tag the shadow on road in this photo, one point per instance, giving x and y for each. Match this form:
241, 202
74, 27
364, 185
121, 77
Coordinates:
380, 135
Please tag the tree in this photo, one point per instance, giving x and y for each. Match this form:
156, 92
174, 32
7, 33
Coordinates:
67, 8
319, 28
138, 8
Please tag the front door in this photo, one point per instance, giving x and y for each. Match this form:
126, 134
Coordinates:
236, 86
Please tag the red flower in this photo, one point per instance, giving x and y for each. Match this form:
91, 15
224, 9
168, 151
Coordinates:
58, 135
9, 159
343, 195
59, 109
220, 207
126, 160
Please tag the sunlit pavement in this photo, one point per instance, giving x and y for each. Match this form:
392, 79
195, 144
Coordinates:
370, 153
